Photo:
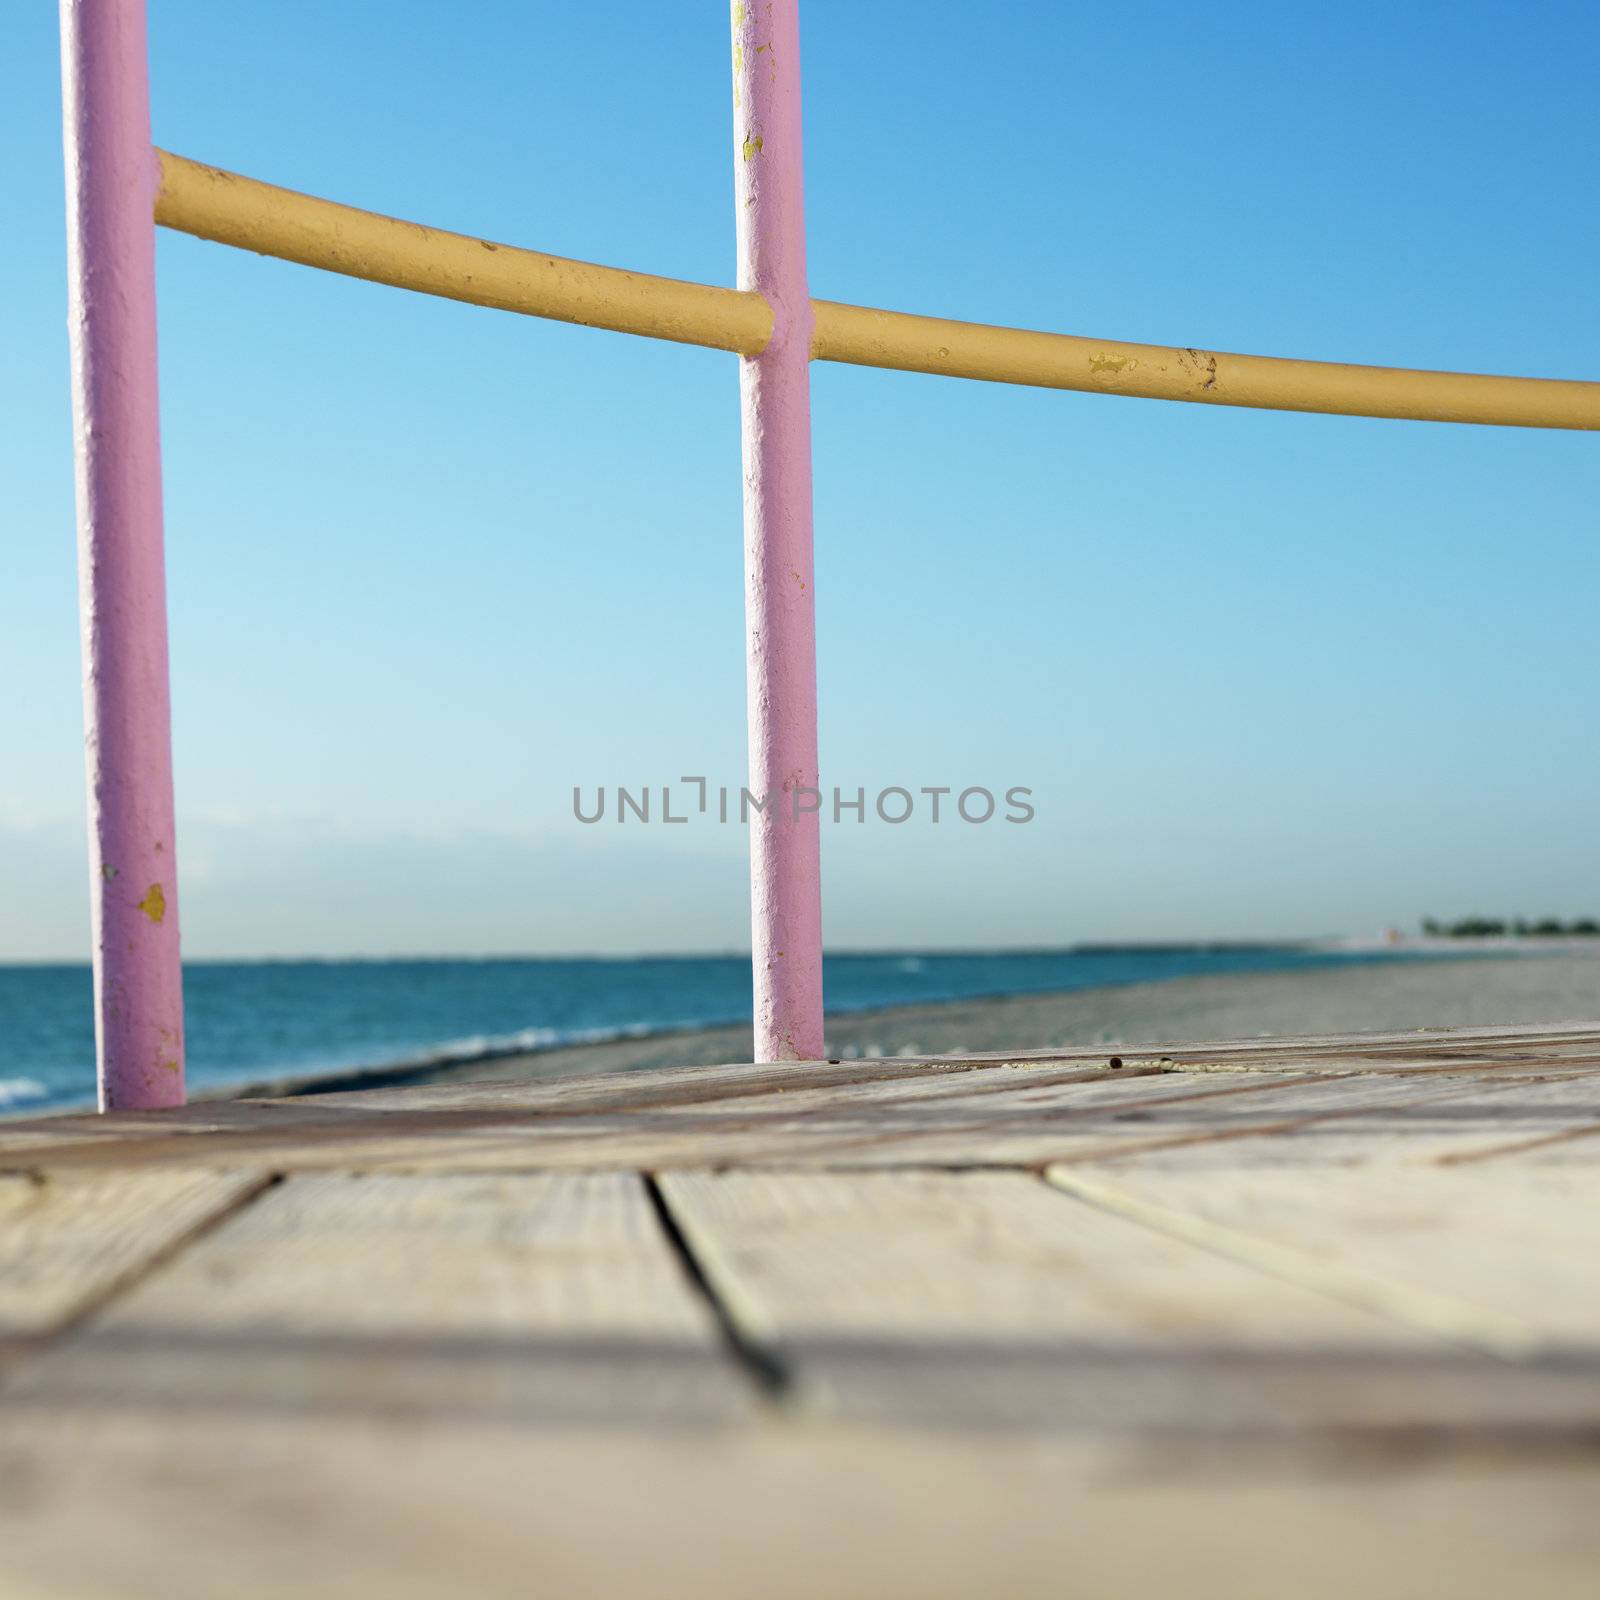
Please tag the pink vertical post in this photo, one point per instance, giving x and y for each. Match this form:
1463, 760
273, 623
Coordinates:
111, 187
775, 389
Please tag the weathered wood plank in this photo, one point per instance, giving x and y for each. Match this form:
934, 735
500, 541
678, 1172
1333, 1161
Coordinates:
977, 1300
275, 1125
905, 1124
67, 1240
328, 1511
1574, 1141
527, 1300
1535, 1121
1024, 1130
1499, 1258
399, 1384
1415, 1044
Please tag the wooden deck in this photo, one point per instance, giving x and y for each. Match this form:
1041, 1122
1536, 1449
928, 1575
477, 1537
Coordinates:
1310, 1317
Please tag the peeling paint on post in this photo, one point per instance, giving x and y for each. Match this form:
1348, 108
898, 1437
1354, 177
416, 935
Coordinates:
775, 388
111, 186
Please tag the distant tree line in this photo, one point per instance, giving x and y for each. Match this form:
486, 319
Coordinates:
1521, 928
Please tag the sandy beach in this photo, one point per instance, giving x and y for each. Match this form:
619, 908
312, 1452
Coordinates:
1438, 992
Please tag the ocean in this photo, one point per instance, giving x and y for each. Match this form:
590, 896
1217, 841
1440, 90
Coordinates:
251, 1020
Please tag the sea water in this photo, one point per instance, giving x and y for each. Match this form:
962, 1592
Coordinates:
253, 1020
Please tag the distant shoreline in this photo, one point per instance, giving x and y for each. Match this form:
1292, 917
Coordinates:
1435, 944
1332, 985
1508, 988
674, 1045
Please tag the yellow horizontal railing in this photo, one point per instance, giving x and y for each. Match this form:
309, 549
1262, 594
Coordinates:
234, 210
213, 204
870, 338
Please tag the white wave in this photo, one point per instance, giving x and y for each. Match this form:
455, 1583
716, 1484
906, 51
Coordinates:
525, 1041
19, 1091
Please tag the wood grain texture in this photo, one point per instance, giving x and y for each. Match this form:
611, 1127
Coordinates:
349, 1128
1534, 1120
1316, 1317
978, 1300
332, 1510
528, 1300
984, 1117
1490, 1257
69, 1239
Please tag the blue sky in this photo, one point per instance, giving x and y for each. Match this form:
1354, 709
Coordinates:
430, 566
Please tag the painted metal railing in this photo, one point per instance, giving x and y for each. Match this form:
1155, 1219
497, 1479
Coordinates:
119, 187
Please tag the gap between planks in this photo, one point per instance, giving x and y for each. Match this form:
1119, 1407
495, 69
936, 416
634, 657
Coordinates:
1449, 1317
73, 1243
993, 1300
